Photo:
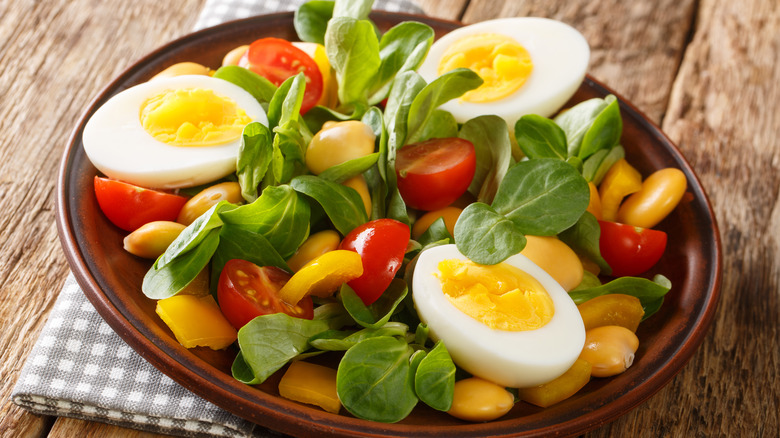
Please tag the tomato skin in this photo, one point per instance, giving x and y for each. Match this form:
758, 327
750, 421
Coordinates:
240, 305
277, 60
128, 206
434, 173
381, 244
630, 250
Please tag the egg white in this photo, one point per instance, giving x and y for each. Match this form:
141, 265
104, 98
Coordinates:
117, 144
517, 359
560, 56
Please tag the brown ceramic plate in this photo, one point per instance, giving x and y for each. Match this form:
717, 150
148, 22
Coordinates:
111, 279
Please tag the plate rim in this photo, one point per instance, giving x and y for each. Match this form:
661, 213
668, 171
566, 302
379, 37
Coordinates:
194, 381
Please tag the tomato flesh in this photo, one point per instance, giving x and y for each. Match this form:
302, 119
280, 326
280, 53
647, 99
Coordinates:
630, 250
277, 60
128, 206
381, 244
246, 291
434, 173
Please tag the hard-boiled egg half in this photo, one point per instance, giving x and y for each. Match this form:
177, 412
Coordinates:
530, 65
509, 323
171, 132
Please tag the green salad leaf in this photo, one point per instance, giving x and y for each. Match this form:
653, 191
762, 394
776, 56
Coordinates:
374, 381
168, 280
402, 48
254, 157
268, 342
434, 380
542, 197
540, 137
279, 214
311, 20
490, 136
583, 238
486, 236
650, 292
379, 312
259, 87
357, 9
446, 87
194, 234
342, 204
353, 52
236, 242
596, 166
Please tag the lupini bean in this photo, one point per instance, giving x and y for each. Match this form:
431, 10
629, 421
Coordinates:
358, 183
200, 203
234, 56
183, 68
610, 350
477, 399
338, 142
316, 245
151, 239
556, 258
660, 193
449, 214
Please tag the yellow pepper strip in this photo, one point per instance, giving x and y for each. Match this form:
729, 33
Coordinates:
323, 275
620, 181
612, 309
196, 321
312, 384
594, 205
559, 389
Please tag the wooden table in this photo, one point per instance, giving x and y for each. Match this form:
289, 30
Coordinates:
706, 71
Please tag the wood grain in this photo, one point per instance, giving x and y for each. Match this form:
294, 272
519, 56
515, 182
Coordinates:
56, 56
70, 427
707, 70
445, 9
723, 114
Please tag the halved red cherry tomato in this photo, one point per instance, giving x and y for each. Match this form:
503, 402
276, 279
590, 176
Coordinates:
246, 291
630, 250
381, 244
128, 206
434, 173
276, 60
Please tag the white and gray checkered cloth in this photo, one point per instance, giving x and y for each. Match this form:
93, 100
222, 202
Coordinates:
80, 368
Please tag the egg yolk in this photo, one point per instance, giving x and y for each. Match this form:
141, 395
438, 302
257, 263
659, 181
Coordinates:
193, 117
500, 296
502, 63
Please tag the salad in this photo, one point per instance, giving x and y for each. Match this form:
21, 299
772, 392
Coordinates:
425, 213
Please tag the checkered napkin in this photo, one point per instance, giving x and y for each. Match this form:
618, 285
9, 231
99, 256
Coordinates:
80, 368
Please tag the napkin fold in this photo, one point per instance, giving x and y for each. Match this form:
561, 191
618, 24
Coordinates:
79, 367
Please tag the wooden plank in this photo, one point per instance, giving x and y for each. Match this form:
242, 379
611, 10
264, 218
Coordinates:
636, 46
56, 56
445, 9
723, 115
70, 427
19, 423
